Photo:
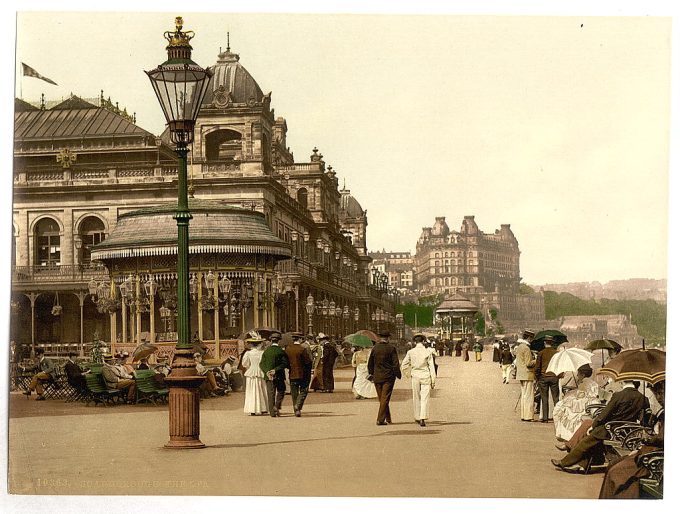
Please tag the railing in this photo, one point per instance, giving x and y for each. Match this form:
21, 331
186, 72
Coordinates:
116, 173
300, 267
52, 274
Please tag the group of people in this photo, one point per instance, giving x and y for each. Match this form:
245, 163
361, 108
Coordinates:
309, 363
577, 434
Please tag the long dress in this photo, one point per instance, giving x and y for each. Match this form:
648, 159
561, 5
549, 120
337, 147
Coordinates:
317, 363
329, 356
362, 388
466, 355
568, 412
256, 389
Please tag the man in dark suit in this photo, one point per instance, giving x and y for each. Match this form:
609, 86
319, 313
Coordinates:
383, 366
300, 374
274, 363
548, 383
74, 374
626, 405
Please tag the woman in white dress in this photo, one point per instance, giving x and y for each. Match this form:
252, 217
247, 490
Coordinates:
362, 387
569, 411
256, 389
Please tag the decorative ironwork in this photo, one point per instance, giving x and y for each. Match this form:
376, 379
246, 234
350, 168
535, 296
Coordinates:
66, 157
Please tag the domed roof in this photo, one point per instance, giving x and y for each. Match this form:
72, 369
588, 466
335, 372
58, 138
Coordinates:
215, 228
456, 303
350, 207
231, 83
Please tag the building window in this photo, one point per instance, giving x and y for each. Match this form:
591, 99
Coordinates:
91, 233
47, 243
302, 197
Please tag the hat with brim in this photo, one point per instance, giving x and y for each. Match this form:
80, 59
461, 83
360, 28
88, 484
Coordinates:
322, 336
420, 335
384, 333
254, 340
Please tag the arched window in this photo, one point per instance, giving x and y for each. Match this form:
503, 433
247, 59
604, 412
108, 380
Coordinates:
91, 233
47, 243
223, 145
302, 197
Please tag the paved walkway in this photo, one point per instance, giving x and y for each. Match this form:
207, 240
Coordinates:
474, 446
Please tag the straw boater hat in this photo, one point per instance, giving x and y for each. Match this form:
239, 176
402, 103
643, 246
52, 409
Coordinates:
322, 337
421, 335
254, 340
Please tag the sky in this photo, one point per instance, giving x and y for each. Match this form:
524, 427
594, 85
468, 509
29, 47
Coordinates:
558, 126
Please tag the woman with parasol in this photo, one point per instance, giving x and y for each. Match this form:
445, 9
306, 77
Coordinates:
362, 387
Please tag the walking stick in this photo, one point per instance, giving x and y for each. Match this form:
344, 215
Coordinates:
518, 399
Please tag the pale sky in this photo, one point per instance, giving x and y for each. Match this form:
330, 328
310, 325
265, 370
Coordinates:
556, 125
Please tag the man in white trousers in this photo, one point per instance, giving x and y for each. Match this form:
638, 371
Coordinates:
419, 363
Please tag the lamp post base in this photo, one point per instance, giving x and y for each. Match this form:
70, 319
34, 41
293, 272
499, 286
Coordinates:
183, 402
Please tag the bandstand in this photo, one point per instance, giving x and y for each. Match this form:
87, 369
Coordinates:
455, 316
233, 284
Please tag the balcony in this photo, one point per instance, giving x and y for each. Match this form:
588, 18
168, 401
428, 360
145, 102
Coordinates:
30, 275
49, 176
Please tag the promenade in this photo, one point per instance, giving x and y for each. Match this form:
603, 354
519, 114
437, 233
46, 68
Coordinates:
474, 446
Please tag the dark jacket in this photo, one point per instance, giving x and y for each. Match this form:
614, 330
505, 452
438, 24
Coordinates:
300, 362
625, 405
74, 374
383, 363
542, 361
275, 358
506, 356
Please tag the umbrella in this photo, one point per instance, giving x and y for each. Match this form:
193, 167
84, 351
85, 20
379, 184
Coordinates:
537, 344
371, 335
358, 340
569, 360
604, 344
638, 364
143, 351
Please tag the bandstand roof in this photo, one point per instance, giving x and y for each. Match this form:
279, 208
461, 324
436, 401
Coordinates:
215, 228
456, 303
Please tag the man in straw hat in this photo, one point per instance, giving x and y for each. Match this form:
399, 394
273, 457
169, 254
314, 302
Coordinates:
300, 372
383, 366
419, 363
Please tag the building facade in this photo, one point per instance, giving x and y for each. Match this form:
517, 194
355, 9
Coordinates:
79, 167
481, 267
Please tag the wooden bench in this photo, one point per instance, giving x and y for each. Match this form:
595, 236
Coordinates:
147, 387
99, 392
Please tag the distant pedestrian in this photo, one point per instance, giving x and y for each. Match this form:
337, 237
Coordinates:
506, 359
383, 367
459, 348
316, 349
274, 364
419, 365
256, 388
496, 351
466, 355
478, 348
300, 372
330, 354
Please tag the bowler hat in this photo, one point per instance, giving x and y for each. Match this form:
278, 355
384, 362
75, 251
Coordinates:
384, 333
275, 335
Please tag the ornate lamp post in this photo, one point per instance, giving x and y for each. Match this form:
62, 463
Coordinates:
310, 312
356, 318
180, 85
345, 317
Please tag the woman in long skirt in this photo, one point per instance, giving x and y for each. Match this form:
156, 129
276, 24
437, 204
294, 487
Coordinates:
466, 355
256, 389
362, 387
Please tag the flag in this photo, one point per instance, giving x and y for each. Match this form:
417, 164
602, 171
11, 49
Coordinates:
27, 71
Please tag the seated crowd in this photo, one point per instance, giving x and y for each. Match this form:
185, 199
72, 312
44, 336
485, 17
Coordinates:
118, 372
601, 424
